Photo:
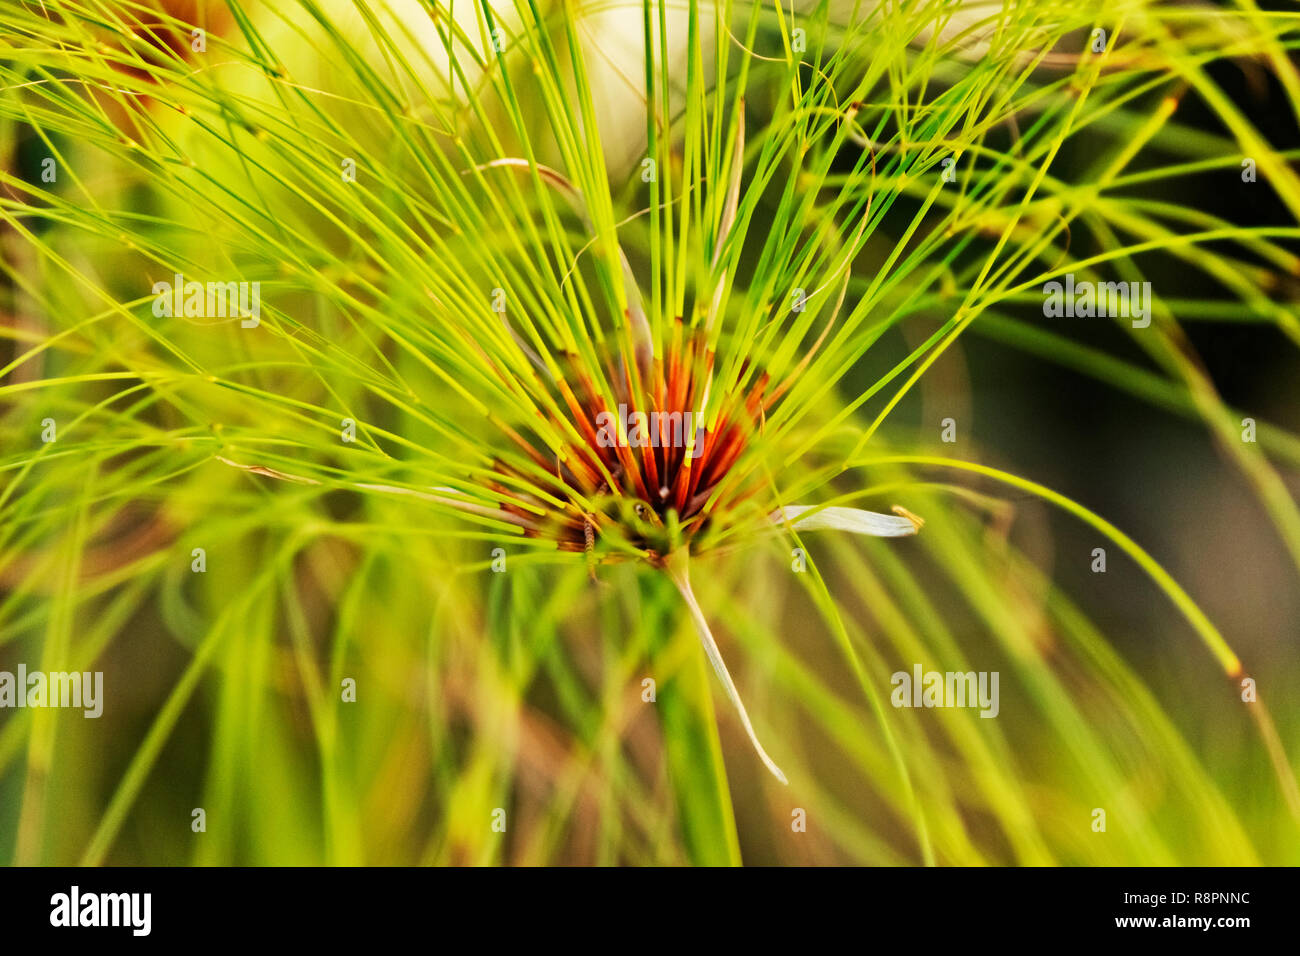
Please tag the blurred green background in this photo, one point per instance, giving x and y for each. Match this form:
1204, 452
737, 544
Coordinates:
522, 692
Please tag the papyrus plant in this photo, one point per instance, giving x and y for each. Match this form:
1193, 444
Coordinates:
458, 283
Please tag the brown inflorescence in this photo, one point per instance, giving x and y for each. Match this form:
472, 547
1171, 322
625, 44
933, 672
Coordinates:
681, 471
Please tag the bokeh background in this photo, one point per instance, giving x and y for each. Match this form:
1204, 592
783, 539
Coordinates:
522, 691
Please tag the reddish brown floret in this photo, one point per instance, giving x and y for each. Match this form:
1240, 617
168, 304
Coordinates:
660, 475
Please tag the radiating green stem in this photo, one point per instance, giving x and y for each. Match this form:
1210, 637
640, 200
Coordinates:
696, 772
